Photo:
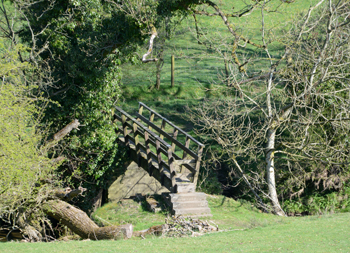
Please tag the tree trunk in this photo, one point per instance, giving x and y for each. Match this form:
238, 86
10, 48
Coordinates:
270, 171
159, 65
227, 71
158, 77
82, 225
97, 201
172, 70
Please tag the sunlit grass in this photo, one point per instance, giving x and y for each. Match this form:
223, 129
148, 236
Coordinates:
243, 229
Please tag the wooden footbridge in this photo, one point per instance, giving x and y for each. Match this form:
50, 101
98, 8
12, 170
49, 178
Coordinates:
168, 154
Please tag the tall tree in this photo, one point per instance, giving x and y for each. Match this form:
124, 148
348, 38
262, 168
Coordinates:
293, 117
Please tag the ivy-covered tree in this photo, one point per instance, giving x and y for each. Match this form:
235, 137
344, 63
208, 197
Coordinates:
82, 43
79, 44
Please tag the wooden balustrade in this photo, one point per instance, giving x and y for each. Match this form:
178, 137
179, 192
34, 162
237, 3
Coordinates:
158, 151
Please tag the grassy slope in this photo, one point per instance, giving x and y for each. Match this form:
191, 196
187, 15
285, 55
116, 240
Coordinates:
255, 232
197, 68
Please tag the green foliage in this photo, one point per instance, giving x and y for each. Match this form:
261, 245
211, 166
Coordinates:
208, 181
83, 34
22, 164
318, 203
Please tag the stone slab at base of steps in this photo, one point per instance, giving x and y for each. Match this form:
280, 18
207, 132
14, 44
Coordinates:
193, 204
185, 188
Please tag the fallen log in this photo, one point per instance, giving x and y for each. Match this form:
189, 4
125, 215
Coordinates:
72, 217
154, 230
33, 223
78, 221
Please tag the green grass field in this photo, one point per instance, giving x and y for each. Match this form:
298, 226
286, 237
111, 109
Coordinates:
243, 229
198, 68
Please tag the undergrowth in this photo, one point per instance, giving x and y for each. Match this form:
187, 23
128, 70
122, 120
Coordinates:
319, 203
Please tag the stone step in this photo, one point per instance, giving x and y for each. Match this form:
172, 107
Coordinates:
202, 211
185, 187
185, 197
189, 204
193, 204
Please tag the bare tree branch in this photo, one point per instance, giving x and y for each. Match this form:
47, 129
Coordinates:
154, 34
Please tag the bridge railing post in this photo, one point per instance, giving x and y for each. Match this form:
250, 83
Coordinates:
184, 155
148, 153
172, 168
137, 146
160, 161
162, 127
140, 109
125, 131
151, 118
198, 164
175, 133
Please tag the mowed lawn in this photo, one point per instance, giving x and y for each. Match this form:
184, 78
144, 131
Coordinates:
326, 233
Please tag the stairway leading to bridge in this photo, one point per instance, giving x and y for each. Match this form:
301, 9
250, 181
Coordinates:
168, 154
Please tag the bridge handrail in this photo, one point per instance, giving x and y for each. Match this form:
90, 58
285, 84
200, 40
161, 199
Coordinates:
171, 124
173, 140
141, 126
174, 164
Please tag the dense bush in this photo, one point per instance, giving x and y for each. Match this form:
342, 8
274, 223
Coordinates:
23, 158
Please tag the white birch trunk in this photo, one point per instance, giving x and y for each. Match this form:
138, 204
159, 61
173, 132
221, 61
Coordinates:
270, 171
270, 150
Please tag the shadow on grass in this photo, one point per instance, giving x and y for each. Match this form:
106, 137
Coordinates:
161, 204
